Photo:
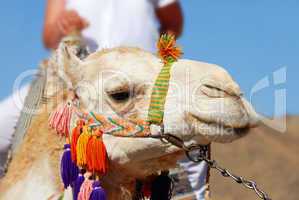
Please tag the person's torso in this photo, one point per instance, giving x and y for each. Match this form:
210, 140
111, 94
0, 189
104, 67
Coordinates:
118, 23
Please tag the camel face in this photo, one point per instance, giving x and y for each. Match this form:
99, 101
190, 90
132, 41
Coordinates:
203, 105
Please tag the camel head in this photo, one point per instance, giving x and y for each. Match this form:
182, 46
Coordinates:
204, 104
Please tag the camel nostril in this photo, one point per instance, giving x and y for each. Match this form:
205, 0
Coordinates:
212, 91
229, 87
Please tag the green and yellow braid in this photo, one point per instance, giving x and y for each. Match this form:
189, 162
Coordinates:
169, 53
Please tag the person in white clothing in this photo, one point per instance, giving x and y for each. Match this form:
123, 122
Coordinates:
110, 23
105, 24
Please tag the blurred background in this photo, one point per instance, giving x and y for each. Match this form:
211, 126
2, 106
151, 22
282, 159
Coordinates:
254, 40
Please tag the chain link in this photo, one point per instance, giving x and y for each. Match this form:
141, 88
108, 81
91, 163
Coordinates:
198, 153
201, 154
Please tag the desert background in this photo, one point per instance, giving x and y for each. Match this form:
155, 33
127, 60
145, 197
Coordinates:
266, 156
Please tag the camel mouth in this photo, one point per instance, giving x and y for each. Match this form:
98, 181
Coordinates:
215, 131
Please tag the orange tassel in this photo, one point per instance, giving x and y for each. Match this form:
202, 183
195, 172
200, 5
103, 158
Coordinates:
96, 155
75, 135
82, 146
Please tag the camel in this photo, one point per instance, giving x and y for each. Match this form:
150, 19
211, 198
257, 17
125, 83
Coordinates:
204, 105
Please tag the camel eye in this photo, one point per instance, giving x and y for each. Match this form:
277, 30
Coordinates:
120, 96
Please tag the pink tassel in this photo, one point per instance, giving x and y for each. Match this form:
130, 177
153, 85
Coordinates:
85, 190
60, 119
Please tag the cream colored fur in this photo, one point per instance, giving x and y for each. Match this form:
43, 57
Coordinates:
202, 99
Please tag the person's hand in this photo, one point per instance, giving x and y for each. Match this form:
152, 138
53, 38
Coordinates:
70, 21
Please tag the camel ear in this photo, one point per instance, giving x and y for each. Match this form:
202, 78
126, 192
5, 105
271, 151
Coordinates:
68, 63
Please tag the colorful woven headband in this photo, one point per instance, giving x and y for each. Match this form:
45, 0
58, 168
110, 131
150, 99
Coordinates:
85, 150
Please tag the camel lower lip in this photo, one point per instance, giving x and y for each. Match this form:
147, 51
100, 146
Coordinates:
216, 132
218, 123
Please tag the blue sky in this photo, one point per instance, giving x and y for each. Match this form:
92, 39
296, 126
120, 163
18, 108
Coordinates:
251, 39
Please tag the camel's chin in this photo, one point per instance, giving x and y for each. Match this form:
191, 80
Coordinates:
207, 132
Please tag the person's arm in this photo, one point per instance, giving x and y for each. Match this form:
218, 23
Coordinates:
59, 22
170, 18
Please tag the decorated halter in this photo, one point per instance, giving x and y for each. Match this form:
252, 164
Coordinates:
169, 54
85, 160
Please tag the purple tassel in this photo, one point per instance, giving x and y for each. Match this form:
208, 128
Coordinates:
68, 170
77, 185
98, 193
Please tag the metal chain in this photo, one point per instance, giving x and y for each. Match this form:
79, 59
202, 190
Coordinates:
201, 155
198, 153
